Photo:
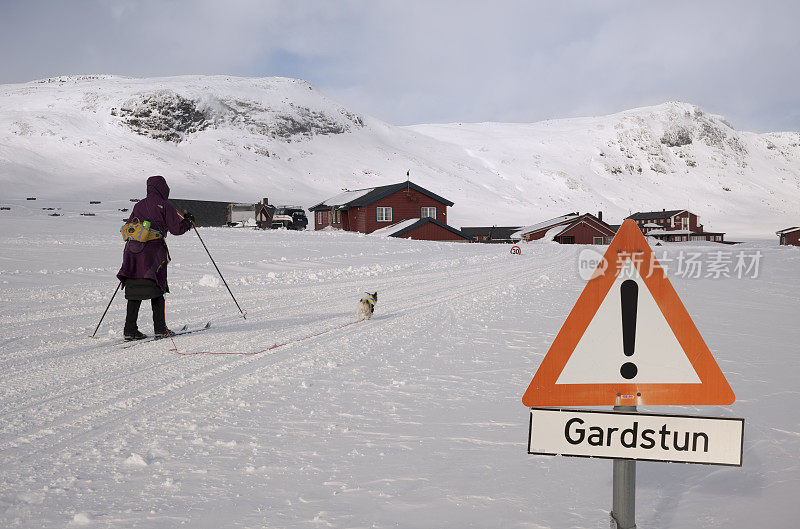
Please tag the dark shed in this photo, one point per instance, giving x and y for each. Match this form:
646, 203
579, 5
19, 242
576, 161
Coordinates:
206, 212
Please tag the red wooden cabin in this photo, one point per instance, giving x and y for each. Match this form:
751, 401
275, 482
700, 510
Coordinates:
789, 236
572, 228
366, 210
675, 225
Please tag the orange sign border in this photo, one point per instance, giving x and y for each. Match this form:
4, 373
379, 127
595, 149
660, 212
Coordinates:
713, 388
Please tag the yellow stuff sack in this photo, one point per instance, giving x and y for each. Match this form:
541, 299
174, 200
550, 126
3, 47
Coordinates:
139, 231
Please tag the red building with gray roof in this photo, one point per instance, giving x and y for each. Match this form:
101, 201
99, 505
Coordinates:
370, 209
572, 228
675, 225
789, 236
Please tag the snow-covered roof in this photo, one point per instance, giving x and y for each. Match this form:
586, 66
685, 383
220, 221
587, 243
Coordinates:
344, 198
363, 197
398, 229
388, 231
787, 230
651, 225
536, 227
553, 232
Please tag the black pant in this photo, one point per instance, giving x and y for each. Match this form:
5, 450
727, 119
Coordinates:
159, 317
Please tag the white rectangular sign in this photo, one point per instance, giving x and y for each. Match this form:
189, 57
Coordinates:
643, 436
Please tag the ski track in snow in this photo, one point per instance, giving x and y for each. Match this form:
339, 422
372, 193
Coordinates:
411, 419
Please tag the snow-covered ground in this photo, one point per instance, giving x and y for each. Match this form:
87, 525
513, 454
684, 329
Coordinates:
412, 419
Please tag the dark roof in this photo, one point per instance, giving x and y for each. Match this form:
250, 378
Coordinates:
666, 214
206, 212
581, 219
497, 232
373, 194
787, 230
420, 222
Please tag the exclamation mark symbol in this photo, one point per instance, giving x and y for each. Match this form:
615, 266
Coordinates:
629, 295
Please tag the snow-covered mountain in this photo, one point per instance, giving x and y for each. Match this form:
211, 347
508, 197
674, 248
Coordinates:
241, 139
672, 155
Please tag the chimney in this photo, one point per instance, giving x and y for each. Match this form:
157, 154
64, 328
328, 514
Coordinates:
599, 215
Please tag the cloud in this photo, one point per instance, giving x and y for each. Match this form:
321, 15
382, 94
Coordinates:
417, 61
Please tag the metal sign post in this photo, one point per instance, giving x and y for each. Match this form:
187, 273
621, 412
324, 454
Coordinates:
623, 504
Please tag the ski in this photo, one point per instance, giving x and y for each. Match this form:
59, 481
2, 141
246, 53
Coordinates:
180, 332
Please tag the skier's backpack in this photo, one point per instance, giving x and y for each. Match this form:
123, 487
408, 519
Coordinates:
139, 231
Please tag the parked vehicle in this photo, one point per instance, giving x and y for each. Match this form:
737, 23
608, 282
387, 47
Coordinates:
241, 213
289, 217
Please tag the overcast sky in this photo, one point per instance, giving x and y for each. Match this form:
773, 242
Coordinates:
426, 61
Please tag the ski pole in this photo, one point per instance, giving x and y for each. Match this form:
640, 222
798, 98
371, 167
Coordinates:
104, 313
243, 313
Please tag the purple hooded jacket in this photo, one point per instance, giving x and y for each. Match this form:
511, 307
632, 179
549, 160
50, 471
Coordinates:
148, 260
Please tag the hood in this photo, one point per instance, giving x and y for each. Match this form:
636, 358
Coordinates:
157, 186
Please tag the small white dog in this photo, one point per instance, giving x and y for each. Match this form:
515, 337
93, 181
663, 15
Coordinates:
367, 306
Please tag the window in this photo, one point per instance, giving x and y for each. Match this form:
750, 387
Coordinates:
319, 217
598, 240
384, 214
338, 217
428, 212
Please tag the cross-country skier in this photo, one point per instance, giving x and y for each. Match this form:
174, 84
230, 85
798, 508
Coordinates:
144, 264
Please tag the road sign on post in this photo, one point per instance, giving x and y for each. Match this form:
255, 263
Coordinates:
628, 340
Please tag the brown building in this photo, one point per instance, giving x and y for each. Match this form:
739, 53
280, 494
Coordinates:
789, 236
572, 228
675, 225
368, 210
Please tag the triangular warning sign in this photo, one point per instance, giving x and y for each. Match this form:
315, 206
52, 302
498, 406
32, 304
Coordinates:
628, 340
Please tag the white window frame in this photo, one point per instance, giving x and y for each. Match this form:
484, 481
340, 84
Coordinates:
319, 218
381, 213
422, 214
598, 240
